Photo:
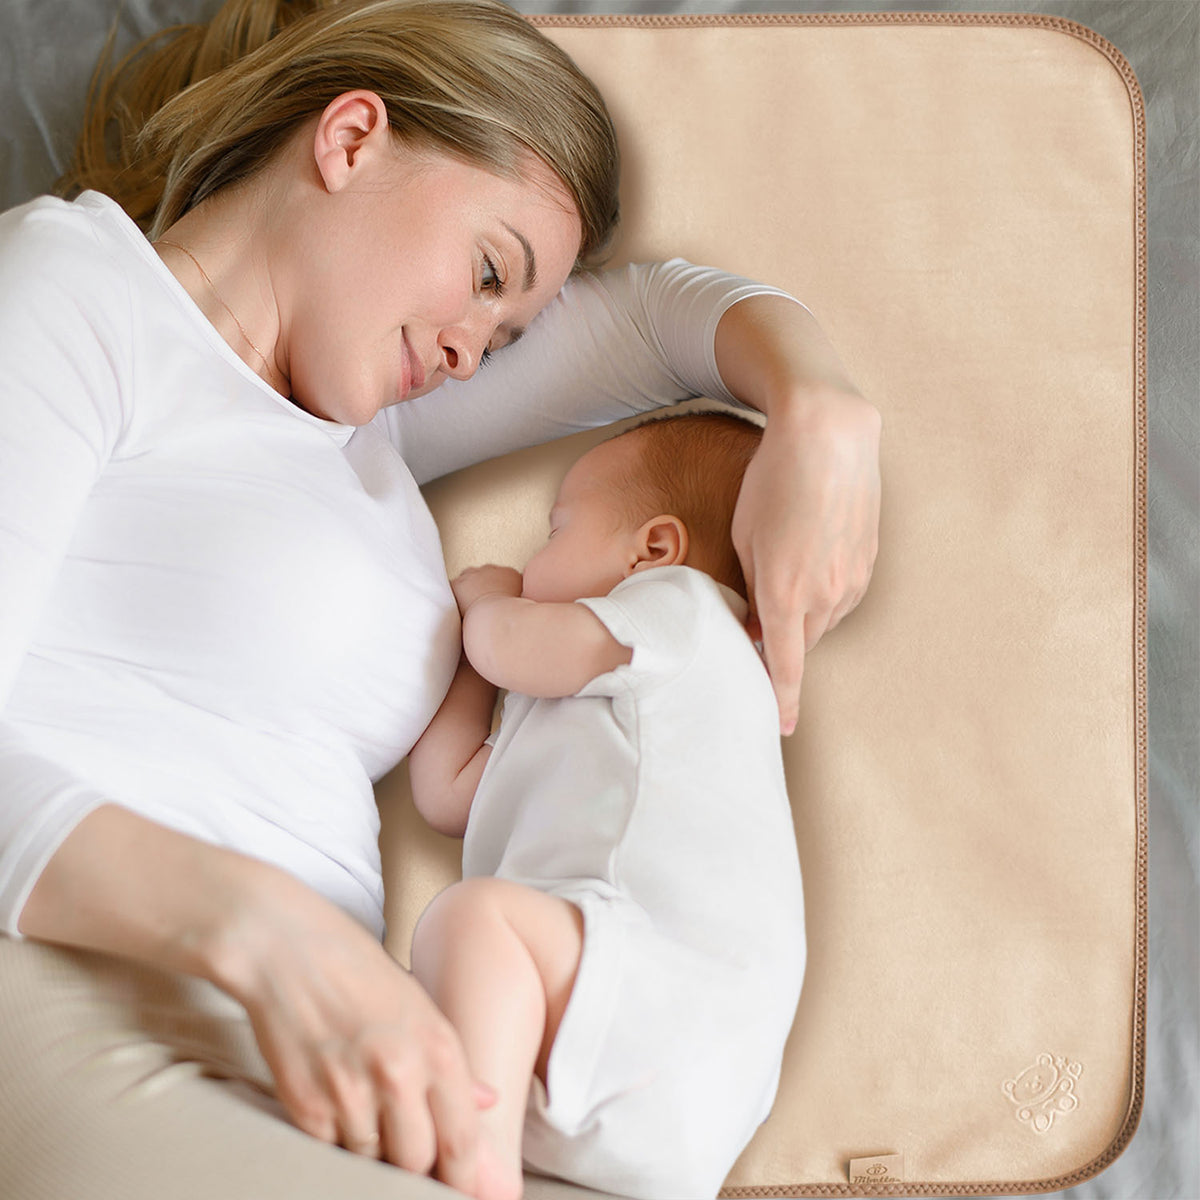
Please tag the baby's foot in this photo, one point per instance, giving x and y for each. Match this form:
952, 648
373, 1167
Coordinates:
498, 1177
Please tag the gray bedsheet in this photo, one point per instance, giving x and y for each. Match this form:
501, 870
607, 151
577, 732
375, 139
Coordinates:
48, 48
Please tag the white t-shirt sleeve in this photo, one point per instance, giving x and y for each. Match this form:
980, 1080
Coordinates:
659, 614
611, 345
62, 385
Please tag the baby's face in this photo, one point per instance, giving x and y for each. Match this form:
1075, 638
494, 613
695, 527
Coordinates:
590, 549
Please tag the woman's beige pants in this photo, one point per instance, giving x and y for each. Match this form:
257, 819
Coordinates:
118, 1081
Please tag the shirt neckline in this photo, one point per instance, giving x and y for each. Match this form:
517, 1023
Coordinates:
108, 207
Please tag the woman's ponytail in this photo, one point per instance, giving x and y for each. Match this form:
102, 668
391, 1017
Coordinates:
110, 155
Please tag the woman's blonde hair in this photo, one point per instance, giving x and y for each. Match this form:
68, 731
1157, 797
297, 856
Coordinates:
200, 107
691, 465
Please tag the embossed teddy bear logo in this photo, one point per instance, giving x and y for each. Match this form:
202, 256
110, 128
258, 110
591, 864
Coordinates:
1044, 1091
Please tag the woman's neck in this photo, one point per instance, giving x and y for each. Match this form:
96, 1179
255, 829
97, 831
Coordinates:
218, 251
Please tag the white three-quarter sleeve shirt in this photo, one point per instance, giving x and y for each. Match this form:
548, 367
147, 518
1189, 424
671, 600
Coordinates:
218, 610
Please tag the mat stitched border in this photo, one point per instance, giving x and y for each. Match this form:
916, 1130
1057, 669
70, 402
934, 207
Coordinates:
1141, 765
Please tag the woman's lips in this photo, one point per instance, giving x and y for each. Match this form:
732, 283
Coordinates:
413, 371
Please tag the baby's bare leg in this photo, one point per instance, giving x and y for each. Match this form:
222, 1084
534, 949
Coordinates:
500, 961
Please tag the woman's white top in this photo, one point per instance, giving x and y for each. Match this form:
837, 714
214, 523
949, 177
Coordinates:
220, 611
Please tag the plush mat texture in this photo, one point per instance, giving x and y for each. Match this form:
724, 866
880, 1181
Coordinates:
960, 200
975, 324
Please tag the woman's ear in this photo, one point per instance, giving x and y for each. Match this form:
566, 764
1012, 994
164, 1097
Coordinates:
661, 542
350, 132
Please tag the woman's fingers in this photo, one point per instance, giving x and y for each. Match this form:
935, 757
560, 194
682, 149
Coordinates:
806, 530
368, 1145
312, 1113
457, 1125
414, 1107
357, 1104
783, 647
297, 1085
406, 1128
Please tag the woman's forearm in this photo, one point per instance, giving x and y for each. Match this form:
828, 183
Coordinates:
772, 354
122, 884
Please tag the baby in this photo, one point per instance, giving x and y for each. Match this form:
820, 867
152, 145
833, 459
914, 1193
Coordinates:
623, 957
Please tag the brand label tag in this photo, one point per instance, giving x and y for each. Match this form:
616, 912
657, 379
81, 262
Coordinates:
879, 1168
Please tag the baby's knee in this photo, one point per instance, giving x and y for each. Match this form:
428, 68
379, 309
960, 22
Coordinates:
460, 907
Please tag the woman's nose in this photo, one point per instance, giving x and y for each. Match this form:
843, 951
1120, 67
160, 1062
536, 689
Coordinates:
462, 351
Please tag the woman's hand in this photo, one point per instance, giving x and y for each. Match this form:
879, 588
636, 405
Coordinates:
360, 1054
806, 526
806, 529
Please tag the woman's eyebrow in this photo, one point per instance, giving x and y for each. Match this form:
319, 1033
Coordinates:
530, 260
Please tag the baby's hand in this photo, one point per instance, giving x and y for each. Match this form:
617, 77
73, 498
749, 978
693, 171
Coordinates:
476, 582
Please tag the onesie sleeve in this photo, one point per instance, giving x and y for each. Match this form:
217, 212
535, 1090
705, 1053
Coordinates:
63, 310
660, 614
611, 345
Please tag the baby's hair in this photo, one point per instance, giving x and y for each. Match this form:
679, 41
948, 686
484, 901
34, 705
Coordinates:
690, 465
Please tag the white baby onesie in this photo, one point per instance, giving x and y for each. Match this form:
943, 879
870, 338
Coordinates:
655, 800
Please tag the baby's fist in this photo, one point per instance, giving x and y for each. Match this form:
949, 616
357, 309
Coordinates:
476, 582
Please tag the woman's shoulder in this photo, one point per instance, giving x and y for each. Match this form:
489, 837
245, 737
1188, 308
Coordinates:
66, 318
66, 240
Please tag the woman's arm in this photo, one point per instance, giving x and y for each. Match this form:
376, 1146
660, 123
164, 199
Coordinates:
611, 345
806, 526
625, 342
355, 1045
64, 386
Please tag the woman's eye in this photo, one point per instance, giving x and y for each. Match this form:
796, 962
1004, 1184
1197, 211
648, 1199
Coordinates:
490, 280
485, 357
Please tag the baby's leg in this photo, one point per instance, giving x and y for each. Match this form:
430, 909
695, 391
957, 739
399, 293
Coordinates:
500, 961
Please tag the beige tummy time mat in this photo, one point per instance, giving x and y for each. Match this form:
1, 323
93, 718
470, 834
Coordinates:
959, 201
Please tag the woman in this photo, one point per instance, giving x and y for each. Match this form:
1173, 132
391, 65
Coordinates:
224, 606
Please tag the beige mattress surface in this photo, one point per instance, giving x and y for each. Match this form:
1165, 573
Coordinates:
960, 200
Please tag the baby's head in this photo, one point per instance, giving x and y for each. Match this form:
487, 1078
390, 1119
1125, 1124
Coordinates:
659, 494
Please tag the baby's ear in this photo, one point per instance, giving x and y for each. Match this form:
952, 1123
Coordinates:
661, 542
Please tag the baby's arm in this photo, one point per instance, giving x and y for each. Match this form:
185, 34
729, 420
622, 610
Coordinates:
523, 645
446, 764
538, 649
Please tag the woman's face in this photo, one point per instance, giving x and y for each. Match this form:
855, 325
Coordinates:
414, 271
